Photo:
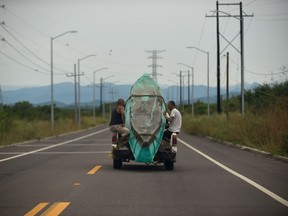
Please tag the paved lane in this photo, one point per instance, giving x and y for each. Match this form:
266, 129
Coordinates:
70, 175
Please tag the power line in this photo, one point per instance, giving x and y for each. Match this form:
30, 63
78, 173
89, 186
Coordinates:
20, 63
32, 53
63, 72
3, 26
16, 50
23, 20
271, 74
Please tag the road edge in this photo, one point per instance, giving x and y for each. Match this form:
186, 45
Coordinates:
246, 148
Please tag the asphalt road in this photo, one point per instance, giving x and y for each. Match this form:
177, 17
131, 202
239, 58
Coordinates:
73, 175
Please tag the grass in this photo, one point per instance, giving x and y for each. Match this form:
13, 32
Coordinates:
267, 131
24, 130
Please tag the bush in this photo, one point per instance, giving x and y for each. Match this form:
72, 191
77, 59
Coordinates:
264, 125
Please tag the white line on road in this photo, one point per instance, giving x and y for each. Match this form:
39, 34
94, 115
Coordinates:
78, 144
244, 178
52, 146
82, 152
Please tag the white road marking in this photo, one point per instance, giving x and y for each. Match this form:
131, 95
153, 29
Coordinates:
52, 146
244, 178
78, 144
82, 152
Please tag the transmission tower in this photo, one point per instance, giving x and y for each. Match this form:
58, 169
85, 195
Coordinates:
240, 17
154, 64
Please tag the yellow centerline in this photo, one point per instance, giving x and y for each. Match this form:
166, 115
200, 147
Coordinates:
55, 209
94, 170
37, 209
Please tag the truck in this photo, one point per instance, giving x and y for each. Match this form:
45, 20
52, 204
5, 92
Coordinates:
144, 117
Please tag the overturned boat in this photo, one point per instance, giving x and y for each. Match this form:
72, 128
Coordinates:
144, 117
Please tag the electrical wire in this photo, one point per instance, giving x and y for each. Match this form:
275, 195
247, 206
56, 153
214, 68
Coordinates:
32, 53
3, 26
20, 63
16, 50
271, 74
22, 20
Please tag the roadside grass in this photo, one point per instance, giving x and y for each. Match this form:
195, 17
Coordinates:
267, 131
24, 130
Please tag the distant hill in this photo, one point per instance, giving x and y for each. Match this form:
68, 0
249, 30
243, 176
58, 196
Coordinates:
64, 94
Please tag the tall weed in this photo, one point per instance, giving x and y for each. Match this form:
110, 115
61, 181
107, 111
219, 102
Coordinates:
24, 130
267, 131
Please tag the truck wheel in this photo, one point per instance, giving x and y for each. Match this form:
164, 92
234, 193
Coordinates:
117, 163
169, 165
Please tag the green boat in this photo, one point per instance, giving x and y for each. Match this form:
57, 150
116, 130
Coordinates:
144, 117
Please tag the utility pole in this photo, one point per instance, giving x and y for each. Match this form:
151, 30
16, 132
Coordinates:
79, 86
218, 61
101, 100
180, 88
77, 119
112, 92
101, 95
183, 85
52, 75
227, 84
1, 99
240, 17
154, 64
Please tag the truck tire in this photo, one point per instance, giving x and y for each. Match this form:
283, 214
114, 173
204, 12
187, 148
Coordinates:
169, 165
117, 163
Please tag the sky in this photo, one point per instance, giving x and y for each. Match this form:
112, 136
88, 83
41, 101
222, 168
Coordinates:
118, 34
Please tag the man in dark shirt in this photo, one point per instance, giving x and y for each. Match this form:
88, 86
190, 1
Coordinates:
117, 122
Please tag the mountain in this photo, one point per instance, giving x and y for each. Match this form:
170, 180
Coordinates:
64, 95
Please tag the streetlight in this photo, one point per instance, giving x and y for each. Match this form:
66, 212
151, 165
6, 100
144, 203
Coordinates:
52, 80
180, 88
208, 97
79, 105
101, 93
176, 88
112, 92
192, 69
94, 100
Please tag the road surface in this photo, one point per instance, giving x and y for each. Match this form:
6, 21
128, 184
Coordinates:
73, 175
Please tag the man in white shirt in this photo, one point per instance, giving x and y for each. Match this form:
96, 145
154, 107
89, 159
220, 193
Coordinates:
175, 120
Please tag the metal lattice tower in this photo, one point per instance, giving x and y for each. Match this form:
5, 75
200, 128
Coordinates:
154, 64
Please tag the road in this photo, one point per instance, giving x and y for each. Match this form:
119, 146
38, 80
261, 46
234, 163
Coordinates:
73, 175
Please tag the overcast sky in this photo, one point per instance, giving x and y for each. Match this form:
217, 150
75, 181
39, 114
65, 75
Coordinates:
120, 32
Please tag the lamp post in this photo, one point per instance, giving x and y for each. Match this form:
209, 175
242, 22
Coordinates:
94, 97
79, 105
52, 79
176, 89
192, 69
101, 94
208, 97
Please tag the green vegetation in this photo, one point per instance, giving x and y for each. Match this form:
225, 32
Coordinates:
264, 125
23, 121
